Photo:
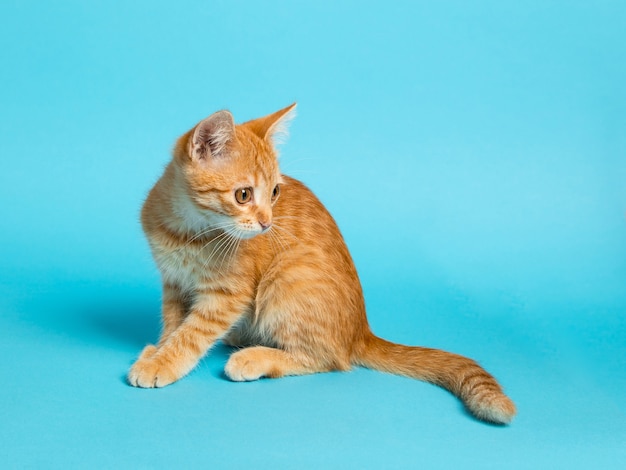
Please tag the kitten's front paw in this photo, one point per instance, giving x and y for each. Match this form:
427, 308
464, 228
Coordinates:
149, 351
150, 371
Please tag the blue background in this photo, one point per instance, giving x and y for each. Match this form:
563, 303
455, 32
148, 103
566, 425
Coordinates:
473, 154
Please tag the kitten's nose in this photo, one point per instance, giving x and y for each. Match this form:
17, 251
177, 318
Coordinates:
265, 225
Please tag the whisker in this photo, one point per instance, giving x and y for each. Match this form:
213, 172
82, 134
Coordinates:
228, 250
219, 241
275, 238
236, 246
206, 231
284, 230
270, 237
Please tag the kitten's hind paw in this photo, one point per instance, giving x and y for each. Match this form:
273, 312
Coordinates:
260, 361
241, 367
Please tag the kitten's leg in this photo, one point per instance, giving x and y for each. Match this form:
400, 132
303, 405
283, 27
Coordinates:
209, 318
172, 312
260, 361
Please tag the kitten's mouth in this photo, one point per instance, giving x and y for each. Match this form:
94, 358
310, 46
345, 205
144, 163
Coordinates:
248, 232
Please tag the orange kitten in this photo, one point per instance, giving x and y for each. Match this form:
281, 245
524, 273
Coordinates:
250, 256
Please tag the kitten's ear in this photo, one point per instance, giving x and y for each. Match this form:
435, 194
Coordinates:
211, 136
273, 126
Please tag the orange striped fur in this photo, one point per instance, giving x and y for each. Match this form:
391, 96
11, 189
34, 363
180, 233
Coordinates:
250, 256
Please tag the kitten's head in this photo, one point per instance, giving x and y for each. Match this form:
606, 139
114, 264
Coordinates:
231, 171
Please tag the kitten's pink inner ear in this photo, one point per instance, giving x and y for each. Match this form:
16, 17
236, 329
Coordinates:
211, 135
268, 126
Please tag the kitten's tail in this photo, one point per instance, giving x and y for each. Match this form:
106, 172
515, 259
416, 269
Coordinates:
479, 391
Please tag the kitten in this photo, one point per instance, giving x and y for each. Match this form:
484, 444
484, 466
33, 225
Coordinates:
252, 257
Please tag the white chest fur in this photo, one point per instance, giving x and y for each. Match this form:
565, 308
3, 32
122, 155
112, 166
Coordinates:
182, 267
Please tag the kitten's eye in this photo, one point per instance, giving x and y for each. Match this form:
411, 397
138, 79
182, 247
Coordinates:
276, 192
243, 195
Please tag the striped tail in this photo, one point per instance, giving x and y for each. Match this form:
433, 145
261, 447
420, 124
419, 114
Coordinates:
473, 385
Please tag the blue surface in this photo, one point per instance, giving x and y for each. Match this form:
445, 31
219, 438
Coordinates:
473, 153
